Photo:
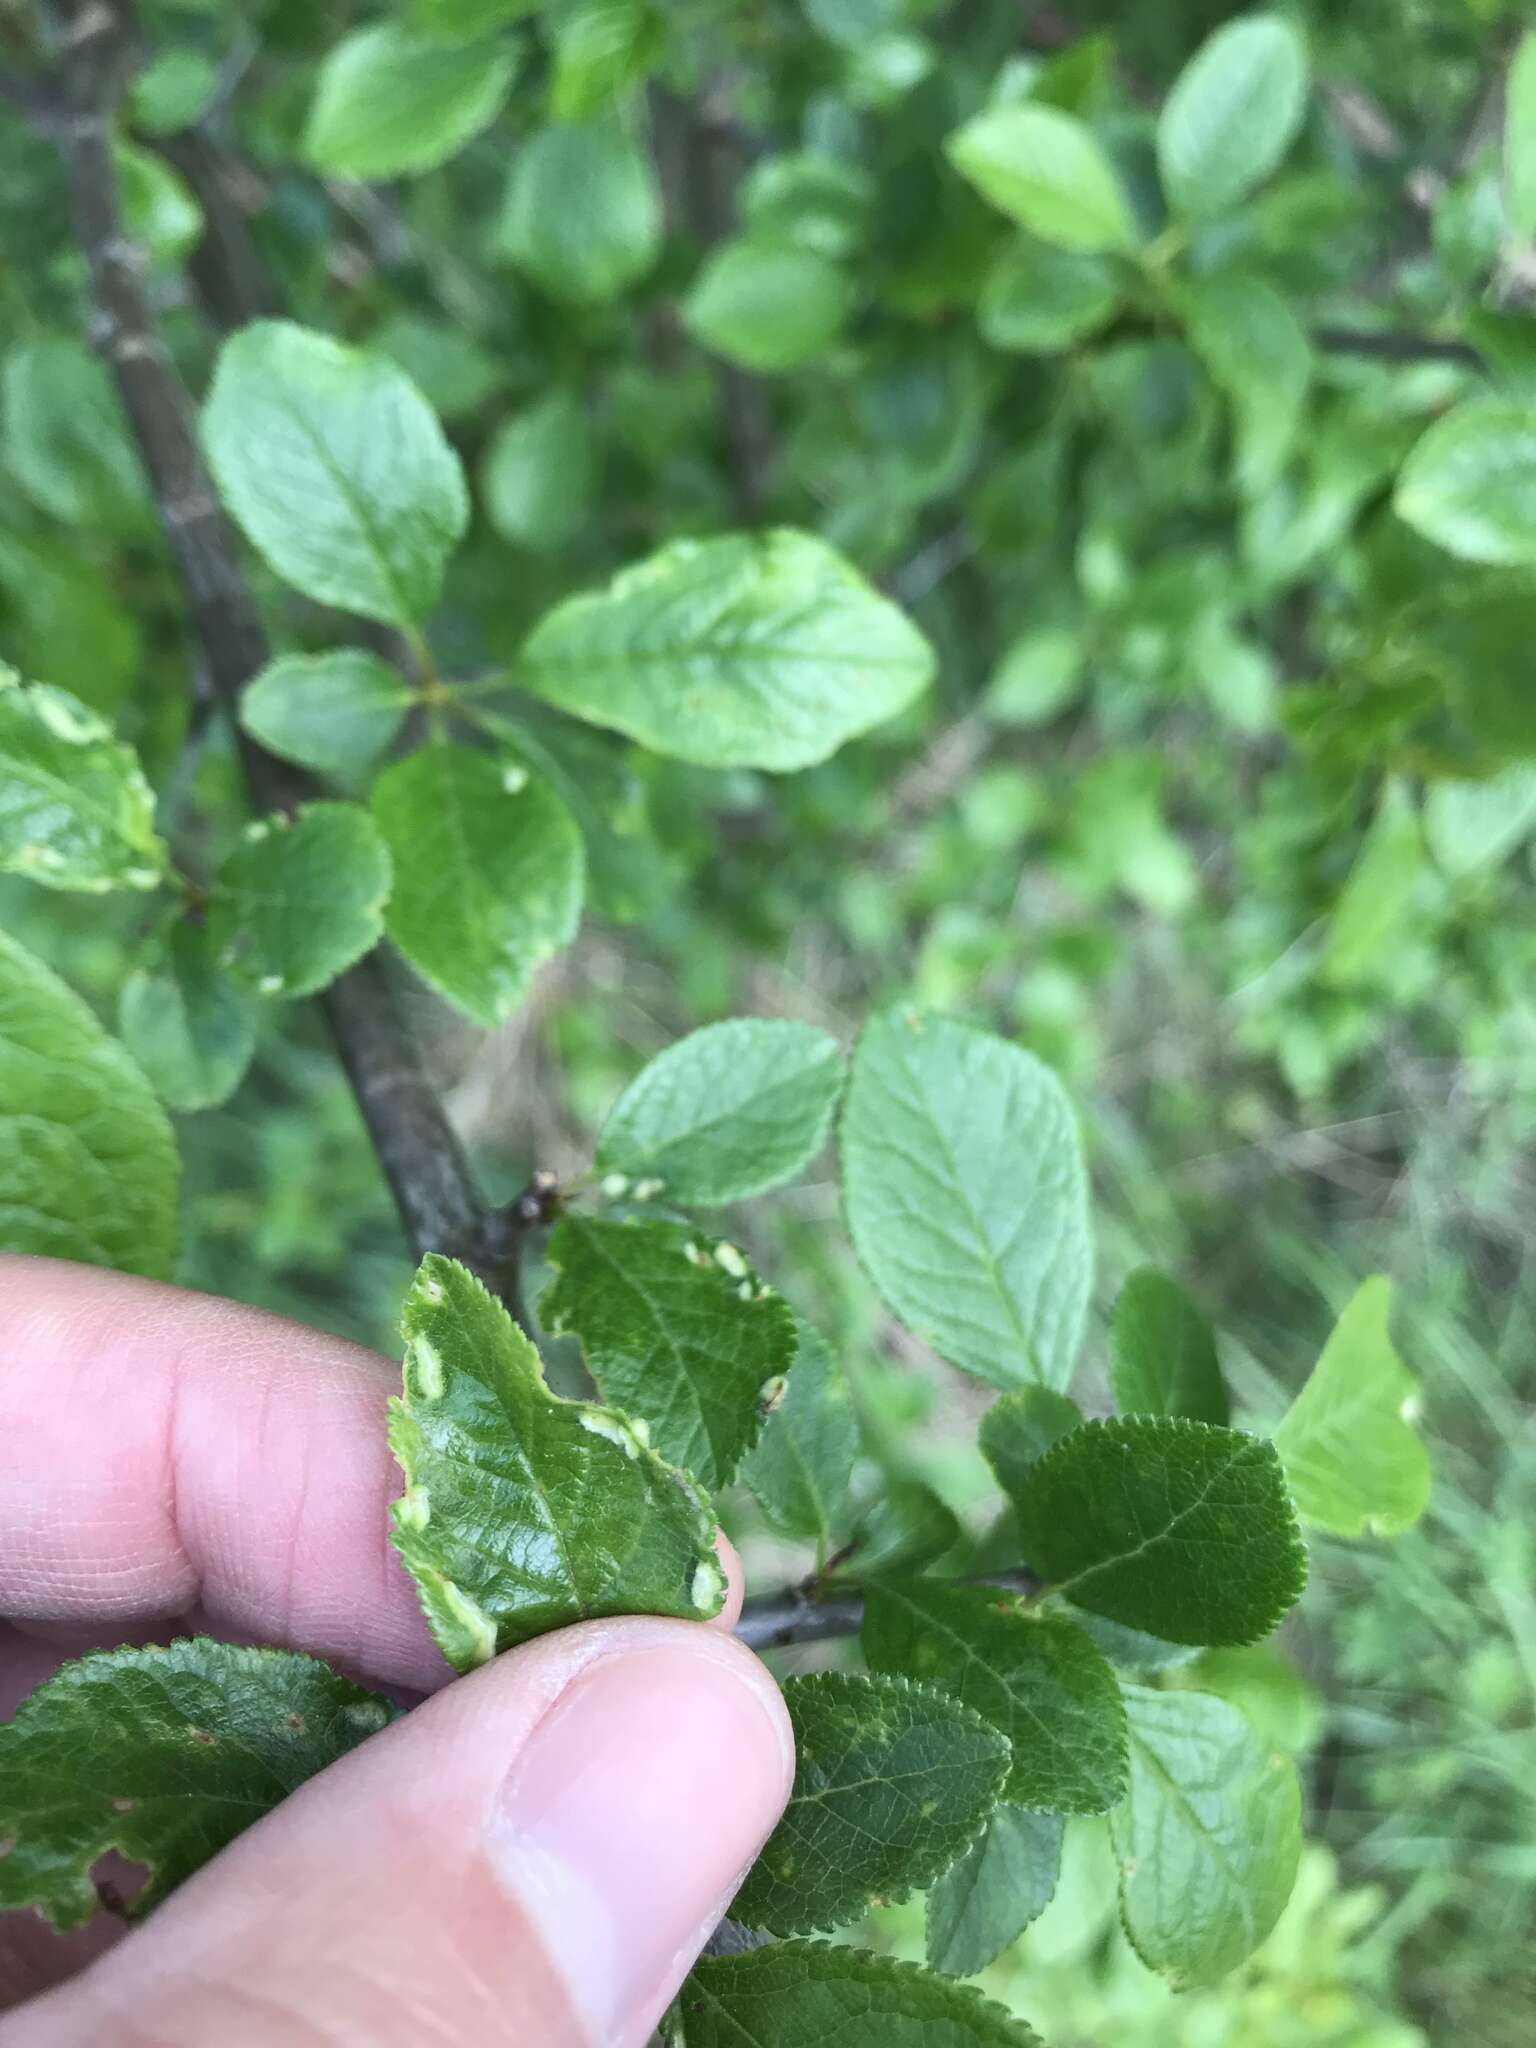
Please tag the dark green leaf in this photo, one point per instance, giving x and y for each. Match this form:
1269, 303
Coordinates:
763, 651
1045, 170
1176, 1527
522, 1512
1003, 1881
164, 1754
389, 102
583, 214
677, 1329
300, 899
1038, 1679
1352, 1457
1258, 352
729, 1111
540, 473
1163, 1352
66, 442
190, 1027
905, 1528
1208, 1838
807, 1994
488, 874
333, 712
336, 468
966, 1196
801, 1464
88, 1165
1017, 1431
75, 810
1038, 299
1232, 114
768, 305
892, 1781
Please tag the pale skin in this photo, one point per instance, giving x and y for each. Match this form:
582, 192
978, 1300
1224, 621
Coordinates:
535, 1855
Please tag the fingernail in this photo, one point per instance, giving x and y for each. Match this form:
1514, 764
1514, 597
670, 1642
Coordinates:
631, 1815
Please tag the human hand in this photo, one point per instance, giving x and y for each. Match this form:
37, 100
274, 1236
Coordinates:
535, 1855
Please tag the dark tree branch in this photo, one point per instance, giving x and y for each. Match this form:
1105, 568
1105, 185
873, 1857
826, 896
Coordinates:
420, 1152
226, 268
800, 1615
1396, 345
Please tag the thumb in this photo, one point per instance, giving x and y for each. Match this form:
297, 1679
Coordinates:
535, 1855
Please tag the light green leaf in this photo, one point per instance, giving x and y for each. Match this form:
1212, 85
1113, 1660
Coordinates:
892, 1782
1378, 892
66, 442
1039, 675
808, 1994
172, 91
966, 1196
767, 304
159, 211
389, 102
164, 1754
88, 1165
1163, 1352
583, 213
677, 1329
750, 651
1037, 1678
1266, 1689
1520, 138
540, 474
1018, 1430
1208, 1838
1469, 484
1232, 114
1046, 170
488, 874
1469, 826
337, 470
1003, 1881
522, 1512
800, 1466
1258, 353
335, 713
75, 810
1354, 1461
190, 1027
299, 899
601, 48
1038, 299
729, 1111
1178, 1528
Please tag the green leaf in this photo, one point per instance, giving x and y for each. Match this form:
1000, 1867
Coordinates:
583, 213
461, 20
159, 210
1018, 1430
173, 91
190, 1027
1378, 892
1520, 138
892, 1782
1469, 484
540, 474
88, 1165
1003, 1881
750, 651
1208, 1838
1232, 114
389, 102
601, 48
299, 899
1174, 1527
905, 1528
966, 1196
164, 1754
1037, 1678
335, 713
1354, 1461
1163, 1352
1469, 826
337, 470
676, 1328
729, 1111
1046, 170
66, 442
488, 874
767, 304
522, 1512
1038, 299
1258, 353
75, 810
801, 1464
1039, 675
1266, 1689
808, 1994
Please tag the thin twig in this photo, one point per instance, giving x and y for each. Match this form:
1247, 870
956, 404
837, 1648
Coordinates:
799, 1614
423, 1160
1396, 345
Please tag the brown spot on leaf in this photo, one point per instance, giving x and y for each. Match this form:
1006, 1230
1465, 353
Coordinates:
201, 1737
124, 1805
